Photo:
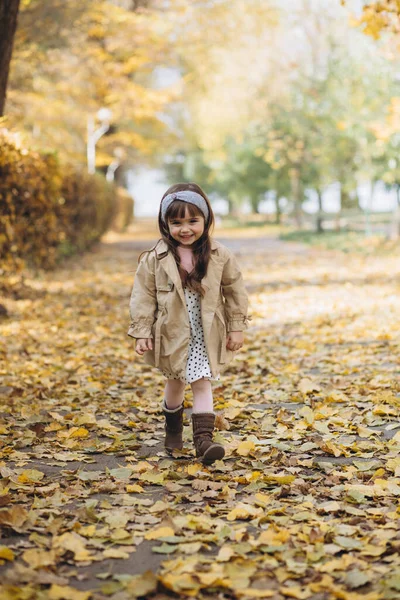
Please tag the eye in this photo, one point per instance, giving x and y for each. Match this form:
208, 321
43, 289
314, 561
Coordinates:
193, 220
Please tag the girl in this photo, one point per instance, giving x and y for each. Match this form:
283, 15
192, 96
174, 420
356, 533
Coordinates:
188, 311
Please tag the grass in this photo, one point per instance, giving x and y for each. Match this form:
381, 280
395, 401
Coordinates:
344, 241
252, 226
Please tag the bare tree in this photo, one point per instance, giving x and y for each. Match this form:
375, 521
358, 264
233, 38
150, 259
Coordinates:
8, 24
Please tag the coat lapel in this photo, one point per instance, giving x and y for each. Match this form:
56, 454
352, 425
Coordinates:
168, 263
211, 282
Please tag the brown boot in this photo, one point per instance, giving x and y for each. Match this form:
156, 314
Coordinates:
206, 449
173, 428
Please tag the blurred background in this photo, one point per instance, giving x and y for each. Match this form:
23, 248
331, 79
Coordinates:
284, 112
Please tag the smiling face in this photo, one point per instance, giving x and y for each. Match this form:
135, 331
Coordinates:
187, 229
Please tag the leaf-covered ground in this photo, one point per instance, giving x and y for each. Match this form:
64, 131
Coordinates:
306, 503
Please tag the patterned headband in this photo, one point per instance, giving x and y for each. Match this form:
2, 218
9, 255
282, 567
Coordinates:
185, 196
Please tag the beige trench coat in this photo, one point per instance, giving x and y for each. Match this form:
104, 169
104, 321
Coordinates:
158, 309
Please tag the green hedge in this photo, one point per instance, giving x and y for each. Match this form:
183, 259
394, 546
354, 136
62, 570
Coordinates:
48, 210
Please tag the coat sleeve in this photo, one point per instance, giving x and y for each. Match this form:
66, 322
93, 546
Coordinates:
234, 292
143, 302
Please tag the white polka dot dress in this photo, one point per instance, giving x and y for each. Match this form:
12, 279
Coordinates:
198, 365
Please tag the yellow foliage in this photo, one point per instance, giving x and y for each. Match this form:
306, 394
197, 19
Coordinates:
49, 210
379, 16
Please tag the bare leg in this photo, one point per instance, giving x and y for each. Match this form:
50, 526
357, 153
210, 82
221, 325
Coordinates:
173, 394
202, 396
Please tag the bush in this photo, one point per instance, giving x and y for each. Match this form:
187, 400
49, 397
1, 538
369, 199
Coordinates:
48, 210
124, 210
86, 208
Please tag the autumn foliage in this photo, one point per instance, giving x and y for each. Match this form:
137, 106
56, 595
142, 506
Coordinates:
49, 210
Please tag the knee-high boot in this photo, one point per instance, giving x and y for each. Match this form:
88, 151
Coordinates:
206, 449
173, 428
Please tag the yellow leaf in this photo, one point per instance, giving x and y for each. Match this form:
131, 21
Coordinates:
155, 478
120, 534
331, 448
134, 489
74, 543
280, 479
115, 553
78, 432
383, 409
272, 537
308, 414
254, 593
225, 553
160, 532
393, 464
307, 385
194, 469
245, 448
6, 553
262, 499
14, 517
117, 519
38, 558
244, 511
336, 396
396, 438
30, 476
88, 531
180, 582
190, 548
364, 432
65, 592
232, 412
341, 594
221, 423
295, 592
142, 585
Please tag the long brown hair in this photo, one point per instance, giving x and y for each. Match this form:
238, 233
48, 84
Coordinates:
201, 248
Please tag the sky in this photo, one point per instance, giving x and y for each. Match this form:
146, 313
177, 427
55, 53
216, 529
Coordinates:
148, 186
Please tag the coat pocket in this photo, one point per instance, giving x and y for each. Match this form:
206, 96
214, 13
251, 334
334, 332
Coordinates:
157, 333
163, 293
222, 337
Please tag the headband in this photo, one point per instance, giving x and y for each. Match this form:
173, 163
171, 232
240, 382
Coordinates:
185, 196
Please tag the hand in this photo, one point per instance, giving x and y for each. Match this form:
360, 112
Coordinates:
143, 344
234, 340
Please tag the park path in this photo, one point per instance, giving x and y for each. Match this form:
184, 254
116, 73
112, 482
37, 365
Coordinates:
305, 504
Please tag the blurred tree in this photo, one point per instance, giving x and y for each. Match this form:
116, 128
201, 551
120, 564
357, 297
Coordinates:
381, 16
285, 122
8, 24
92, 54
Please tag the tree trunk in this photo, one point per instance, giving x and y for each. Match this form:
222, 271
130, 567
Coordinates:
297, 196
254, 202
320, 226
278, 213
8, 25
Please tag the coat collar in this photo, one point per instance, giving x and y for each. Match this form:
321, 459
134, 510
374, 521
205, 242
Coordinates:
162, 248
168, 263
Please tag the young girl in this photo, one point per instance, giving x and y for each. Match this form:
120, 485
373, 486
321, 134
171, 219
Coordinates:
188, 311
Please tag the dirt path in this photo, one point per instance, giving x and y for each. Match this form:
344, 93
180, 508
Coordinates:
304, 506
